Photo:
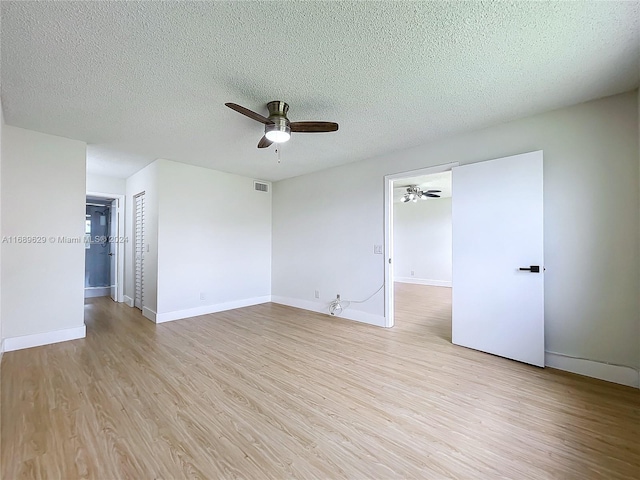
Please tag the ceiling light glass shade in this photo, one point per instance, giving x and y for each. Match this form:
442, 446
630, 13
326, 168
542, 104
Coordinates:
405, 199
279, 131
278, 136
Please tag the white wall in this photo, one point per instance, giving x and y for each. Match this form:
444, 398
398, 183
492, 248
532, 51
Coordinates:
43, 194
214, 241
104, 184
209, 238
1, 333
324, 227
592, 254
146, 180
422, 242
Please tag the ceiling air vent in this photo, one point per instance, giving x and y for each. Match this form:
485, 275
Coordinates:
261, 187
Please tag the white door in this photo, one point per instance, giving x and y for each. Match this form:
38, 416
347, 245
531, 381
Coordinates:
139, 251
497, 221
113, 249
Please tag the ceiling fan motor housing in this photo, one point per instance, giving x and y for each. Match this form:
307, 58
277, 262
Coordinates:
278, 115
278, 108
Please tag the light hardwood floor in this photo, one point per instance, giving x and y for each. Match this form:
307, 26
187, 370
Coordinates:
274, 392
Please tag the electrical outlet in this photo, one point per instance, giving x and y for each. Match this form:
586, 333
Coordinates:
202, 296
316, 294
377, 249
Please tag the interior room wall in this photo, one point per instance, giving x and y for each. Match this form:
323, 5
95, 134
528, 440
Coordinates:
107, 185
214, 241
422, 242
1, 332
208, 236
43, 197
146, 180
592, 227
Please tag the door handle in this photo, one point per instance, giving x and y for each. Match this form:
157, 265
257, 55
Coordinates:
110, 254
531, 268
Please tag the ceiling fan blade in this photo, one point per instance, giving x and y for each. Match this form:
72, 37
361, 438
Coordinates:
432, 191
313, 127
432, 195
248, 113
264, 142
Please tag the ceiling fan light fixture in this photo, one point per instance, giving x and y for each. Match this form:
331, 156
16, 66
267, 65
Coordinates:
279, 131
278, 136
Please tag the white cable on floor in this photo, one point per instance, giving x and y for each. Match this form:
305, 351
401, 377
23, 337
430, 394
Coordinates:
338, 305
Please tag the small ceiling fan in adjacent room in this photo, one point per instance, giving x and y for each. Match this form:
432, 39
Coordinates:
414, 193
277, 127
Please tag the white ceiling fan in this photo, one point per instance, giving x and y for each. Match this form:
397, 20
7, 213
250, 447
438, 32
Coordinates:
414, 193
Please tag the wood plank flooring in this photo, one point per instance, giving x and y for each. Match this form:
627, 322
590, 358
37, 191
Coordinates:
274, 392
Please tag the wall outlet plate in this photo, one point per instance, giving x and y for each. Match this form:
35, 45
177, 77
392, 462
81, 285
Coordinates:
377, 249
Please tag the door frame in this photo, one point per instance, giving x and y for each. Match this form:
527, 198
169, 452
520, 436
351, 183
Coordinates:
119, 245
389, 299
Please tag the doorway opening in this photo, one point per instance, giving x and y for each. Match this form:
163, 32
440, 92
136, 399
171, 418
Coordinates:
103, 247
418, 242
422, 243
98, 276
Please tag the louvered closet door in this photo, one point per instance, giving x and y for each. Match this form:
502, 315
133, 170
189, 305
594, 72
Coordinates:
139, 251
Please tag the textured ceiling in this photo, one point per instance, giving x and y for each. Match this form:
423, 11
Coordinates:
144, 80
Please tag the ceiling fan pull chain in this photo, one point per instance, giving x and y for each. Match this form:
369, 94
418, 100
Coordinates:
278, 153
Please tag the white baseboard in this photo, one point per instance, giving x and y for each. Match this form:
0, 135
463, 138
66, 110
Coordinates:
589, 368
128, 301
320, 307
206, 309
423, 281
93, 292
150, 314
39, 339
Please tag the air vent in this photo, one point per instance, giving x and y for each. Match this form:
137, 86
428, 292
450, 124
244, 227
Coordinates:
261, 187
